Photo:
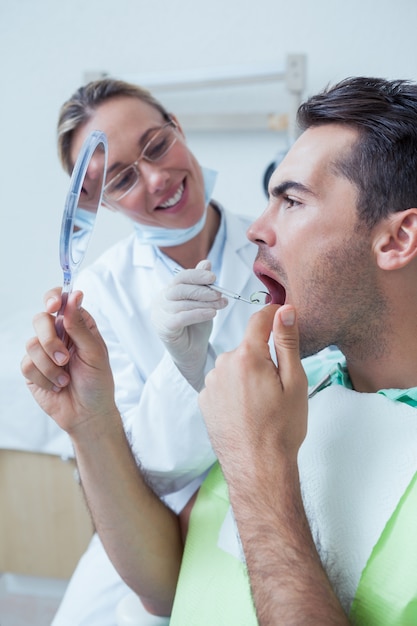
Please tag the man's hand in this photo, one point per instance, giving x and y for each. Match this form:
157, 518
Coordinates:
256, 415
183, 318
140, 534
254, 409
71, 386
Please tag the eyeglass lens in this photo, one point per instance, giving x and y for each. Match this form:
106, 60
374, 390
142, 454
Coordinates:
156, 148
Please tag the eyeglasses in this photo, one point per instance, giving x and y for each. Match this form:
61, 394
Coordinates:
156, 148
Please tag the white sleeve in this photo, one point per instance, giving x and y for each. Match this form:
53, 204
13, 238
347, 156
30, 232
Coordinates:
172, 441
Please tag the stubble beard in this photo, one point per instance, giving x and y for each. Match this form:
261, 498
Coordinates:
343, 304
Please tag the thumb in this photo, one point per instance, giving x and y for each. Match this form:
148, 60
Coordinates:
79, 324
205, 264
287, 346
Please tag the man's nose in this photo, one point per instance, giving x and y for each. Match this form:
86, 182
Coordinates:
261, 231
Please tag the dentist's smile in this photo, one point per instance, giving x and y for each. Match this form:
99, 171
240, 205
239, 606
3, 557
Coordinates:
173, 200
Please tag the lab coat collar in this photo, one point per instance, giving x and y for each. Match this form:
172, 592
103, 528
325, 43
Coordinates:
143, 255
237, 268
236, 275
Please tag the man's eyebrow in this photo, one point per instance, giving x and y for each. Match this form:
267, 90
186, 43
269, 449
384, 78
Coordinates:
143, 140
285, 186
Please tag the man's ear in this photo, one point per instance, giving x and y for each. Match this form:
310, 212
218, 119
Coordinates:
396, 240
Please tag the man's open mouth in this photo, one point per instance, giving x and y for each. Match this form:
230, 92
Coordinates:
276, 290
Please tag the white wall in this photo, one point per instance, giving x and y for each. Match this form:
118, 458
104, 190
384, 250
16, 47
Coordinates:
47, 45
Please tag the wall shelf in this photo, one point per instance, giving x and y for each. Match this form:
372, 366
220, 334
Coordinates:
211, 92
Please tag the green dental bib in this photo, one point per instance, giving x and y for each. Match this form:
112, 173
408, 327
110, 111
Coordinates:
213, 588
387, 591
386, 595
368, 439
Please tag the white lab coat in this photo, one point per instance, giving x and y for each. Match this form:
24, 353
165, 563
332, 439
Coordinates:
159, 407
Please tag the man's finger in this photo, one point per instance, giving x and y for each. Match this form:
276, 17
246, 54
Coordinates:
260, 324
52, 299
287, 345
79, 324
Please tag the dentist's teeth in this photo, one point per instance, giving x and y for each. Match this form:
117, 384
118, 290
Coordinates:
176, 198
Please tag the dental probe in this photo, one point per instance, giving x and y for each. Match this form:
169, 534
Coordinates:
258, 297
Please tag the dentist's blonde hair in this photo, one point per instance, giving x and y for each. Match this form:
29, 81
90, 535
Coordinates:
79, 108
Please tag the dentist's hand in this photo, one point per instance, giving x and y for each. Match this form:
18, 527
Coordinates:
183, 318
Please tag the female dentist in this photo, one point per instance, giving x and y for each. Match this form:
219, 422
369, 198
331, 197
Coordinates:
155, 181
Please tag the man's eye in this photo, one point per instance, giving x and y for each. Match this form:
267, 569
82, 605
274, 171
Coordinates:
290, 202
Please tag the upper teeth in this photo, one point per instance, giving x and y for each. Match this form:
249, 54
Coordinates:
175, 198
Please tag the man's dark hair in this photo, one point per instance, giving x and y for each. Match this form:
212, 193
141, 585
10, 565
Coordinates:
383, 163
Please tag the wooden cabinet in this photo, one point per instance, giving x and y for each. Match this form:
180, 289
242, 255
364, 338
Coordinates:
44, 522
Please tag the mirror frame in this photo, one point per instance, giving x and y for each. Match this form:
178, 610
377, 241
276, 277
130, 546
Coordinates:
92, 141
68, 265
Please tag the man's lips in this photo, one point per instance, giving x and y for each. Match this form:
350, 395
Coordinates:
276, 290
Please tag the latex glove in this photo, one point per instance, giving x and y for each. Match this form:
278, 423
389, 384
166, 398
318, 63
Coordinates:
183, 315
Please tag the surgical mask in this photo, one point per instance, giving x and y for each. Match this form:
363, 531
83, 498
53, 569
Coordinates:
167, 237
83, 225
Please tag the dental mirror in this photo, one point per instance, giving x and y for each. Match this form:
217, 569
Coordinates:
81, 206
258, 297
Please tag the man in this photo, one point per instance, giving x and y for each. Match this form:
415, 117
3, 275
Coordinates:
319, 505
338, 249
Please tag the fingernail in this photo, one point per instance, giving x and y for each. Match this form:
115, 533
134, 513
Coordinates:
288, 317
62, 380
59, 357
79, 301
